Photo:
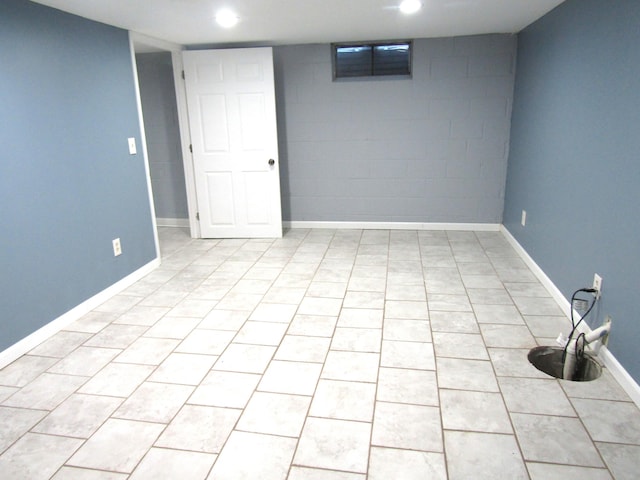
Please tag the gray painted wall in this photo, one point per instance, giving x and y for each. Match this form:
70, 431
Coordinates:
574, 162
160, 112
432, 148
68, 185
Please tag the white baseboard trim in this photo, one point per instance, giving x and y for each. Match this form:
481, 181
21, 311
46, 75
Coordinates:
539, 273
608, 359
172, 222
31, 341
479, 227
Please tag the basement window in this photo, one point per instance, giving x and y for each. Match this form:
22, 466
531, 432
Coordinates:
372, 59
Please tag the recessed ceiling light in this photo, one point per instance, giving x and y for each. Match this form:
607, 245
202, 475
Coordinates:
226, 18
410, 6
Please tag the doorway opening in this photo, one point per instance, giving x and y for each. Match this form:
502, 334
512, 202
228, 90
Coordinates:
154, 64
231, 174
162, 131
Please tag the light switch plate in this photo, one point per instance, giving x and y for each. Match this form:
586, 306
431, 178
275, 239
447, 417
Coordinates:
132, 146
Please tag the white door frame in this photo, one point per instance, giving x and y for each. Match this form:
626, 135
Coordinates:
185, 143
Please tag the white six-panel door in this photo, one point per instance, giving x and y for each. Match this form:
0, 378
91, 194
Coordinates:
232, 119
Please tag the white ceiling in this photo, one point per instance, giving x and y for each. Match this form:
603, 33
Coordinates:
274, 22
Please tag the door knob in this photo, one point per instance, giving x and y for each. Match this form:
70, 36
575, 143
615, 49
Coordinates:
272, 162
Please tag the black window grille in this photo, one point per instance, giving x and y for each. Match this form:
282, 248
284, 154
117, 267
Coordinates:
372, 59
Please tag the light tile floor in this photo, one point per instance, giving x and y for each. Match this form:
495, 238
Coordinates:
323, 355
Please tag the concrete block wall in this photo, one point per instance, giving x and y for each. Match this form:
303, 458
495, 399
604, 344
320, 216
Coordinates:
431, 148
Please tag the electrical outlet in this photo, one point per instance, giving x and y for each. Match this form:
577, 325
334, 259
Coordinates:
597, 284
117, 248
523, 219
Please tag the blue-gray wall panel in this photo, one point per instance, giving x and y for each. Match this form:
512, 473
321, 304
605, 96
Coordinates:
574, 156
68, 185
432, 148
